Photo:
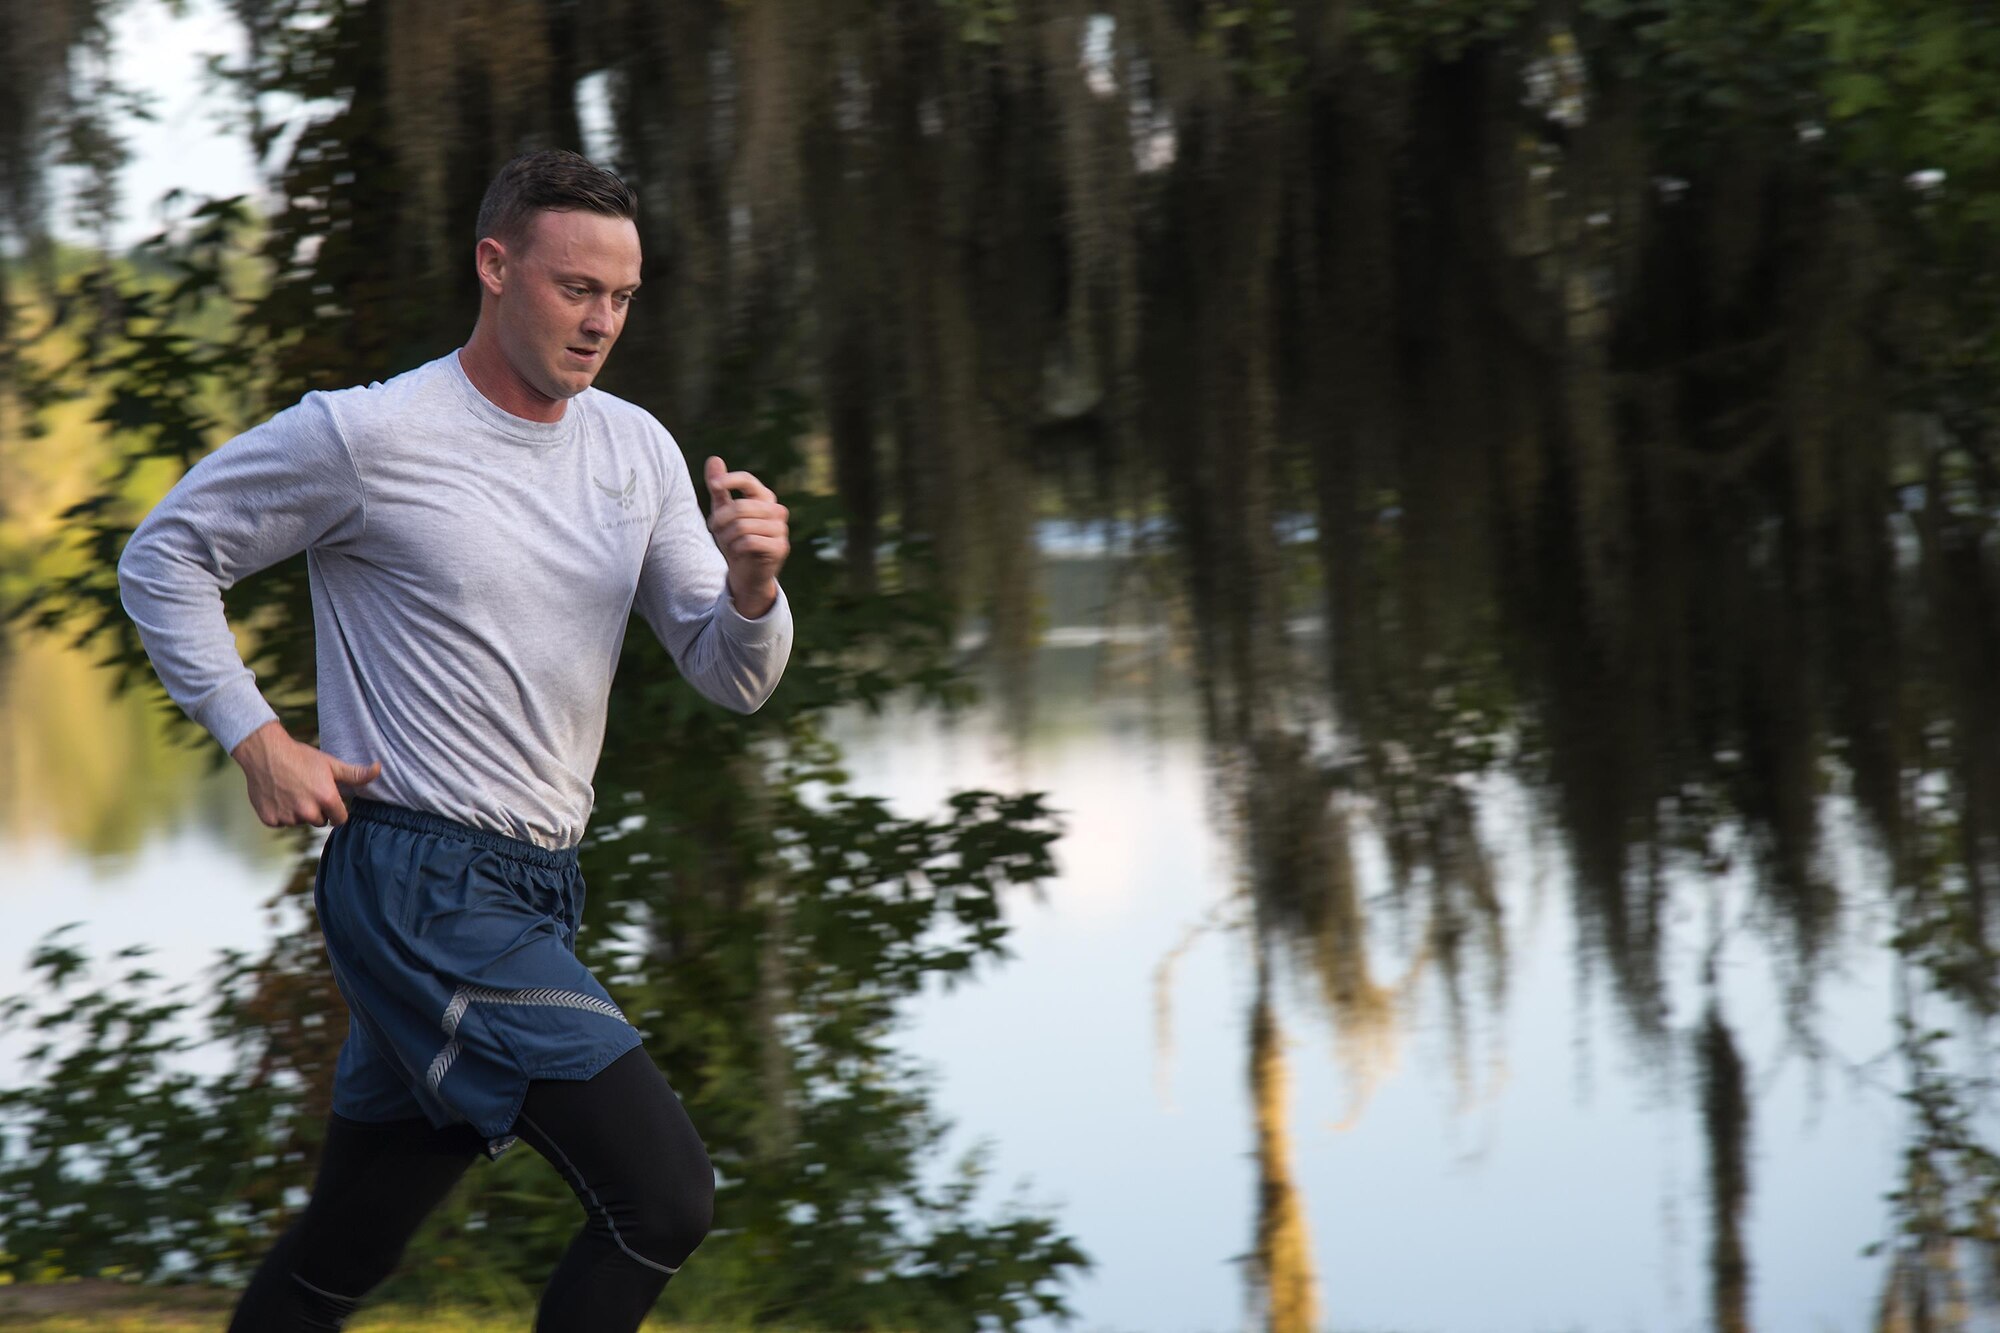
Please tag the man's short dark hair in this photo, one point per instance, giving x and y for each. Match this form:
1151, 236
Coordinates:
555, 179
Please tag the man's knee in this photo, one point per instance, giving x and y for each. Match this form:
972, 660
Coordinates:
672, 1215
625, 1144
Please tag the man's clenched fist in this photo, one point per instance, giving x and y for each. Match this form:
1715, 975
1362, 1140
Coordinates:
753, 533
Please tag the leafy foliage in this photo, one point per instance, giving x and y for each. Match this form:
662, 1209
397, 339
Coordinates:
1400, 36
163, 386
118, 1161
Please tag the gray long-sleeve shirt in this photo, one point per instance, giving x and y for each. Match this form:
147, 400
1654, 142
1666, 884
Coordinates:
472, 575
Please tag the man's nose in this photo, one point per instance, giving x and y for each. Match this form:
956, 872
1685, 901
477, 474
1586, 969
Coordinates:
600, 321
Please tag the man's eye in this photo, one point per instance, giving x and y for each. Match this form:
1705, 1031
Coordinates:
626, 298
574, 290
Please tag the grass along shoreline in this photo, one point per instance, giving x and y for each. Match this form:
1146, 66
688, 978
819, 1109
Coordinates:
96, 1305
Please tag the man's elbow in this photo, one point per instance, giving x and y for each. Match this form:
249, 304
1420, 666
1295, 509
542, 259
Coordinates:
747, 704
143, 572
741, 682
743, 694
129, 562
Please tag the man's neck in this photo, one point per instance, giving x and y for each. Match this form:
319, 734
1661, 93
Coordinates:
487, 367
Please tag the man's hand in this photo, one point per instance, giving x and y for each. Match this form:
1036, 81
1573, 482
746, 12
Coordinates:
293, 783
752, 534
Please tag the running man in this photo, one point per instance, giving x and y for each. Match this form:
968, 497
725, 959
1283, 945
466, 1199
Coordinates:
477, 532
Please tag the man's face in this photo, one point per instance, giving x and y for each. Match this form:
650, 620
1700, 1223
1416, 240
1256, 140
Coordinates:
563, 296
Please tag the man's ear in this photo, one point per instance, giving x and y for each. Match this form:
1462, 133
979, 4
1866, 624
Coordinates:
489, 261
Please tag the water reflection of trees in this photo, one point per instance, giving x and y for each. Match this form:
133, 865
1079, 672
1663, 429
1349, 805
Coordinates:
1632, 400
1627, 471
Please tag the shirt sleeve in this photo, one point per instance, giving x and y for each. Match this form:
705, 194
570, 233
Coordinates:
265, 495
684, 596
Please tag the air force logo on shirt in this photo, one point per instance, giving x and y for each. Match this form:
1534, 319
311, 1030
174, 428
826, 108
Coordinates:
624, 495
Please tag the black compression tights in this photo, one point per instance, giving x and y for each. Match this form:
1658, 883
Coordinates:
620, 1139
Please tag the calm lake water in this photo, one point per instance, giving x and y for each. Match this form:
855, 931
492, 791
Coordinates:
1525, 1167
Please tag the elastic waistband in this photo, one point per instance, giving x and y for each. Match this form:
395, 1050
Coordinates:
423, 821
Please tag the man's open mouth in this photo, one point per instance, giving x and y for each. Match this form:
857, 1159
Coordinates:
586, 353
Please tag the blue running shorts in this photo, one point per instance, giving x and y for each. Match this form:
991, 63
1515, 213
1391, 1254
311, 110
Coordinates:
455, 949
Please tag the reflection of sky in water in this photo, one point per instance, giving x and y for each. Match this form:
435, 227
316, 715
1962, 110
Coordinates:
187, 894
1561, 1185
